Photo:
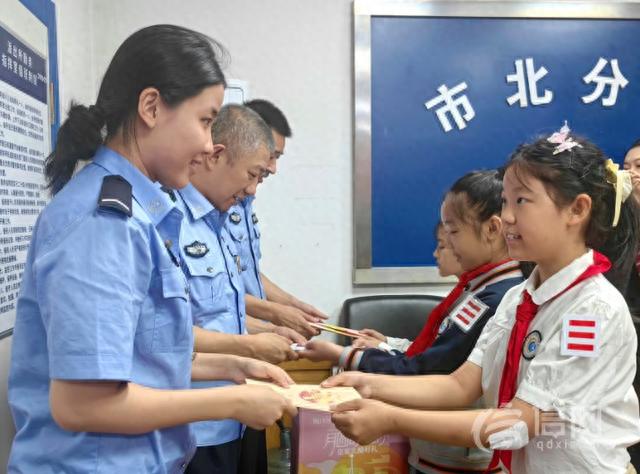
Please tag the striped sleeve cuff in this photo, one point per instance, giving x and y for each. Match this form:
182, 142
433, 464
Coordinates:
350, 358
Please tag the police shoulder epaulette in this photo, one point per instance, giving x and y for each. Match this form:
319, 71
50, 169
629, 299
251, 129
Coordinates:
115, 194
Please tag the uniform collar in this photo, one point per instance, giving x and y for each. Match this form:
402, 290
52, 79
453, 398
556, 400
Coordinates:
487, 273
146, 192
247, 201
196, 203
558, 282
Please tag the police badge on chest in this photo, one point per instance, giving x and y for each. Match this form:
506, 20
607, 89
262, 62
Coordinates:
196, 249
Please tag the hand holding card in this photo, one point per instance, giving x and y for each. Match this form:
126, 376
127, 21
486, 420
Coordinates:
313, 397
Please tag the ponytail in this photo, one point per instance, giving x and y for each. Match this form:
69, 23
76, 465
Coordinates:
78, 139
620, 243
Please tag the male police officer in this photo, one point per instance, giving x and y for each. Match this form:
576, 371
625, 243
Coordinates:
264, 299
243, 145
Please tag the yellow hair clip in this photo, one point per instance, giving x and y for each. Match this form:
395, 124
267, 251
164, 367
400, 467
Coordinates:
621, 182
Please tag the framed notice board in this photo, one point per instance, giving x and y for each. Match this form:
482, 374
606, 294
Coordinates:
443, 88
29, 120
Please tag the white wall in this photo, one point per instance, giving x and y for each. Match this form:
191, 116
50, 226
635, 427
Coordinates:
297, 53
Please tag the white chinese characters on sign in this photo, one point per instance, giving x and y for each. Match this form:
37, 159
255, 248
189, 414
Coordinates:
526, 78
452, 106
532, 77
21, 63
618, 81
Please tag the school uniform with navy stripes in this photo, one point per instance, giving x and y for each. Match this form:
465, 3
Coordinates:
457, 334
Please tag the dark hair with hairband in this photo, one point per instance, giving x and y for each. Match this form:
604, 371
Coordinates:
568, 165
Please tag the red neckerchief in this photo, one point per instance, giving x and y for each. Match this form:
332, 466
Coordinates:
525, 313
430, 329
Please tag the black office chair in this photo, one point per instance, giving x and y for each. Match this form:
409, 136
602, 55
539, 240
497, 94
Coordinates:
392, 315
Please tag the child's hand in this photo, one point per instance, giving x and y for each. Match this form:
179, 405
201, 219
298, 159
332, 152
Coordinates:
359, 380
366, 342
362, 420
374, 334
322, 350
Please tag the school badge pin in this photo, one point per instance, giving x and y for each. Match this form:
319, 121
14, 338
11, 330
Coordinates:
235, 218
531, 344
196, 249
444, 325
254, 218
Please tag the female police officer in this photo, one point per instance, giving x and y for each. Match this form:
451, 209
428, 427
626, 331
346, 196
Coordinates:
102, 349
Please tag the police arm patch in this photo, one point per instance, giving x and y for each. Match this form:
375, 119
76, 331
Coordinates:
468, 313
116, 195
580, 335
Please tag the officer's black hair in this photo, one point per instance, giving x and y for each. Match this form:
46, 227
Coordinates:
272, 115
581, 170
177, 61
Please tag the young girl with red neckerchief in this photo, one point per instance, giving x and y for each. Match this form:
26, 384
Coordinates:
470, 216
557, 360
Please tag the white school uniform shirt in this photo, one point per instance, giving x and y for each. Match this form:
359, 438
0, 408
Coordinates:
591, 407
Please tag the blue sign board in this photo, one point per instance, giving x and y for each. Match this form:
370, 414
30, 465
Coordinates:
21, 67
451, 95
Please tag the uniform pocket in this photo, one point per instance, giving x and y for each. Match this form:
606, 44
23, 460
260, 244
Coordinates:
174, 284
238, 233
208, 284
255, 244
172, 322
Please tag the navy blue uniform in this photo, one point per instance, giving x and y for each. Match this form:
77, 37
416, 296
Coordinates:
457, 334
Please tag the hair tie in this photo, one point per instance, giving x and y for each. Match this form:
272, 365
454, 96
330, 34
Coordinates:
562, 140
621, 182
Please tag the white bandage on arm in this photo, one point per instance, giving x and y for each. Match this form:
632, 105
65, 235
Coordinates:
515, 437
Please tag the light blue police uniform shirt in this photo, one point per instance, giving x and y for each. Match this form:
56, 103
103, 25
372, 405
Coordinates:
217, 294
243, 227
101, 299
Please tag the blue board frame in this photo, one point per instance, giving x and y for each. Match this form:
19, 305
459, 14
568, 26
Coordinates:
405, 159
45, 12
